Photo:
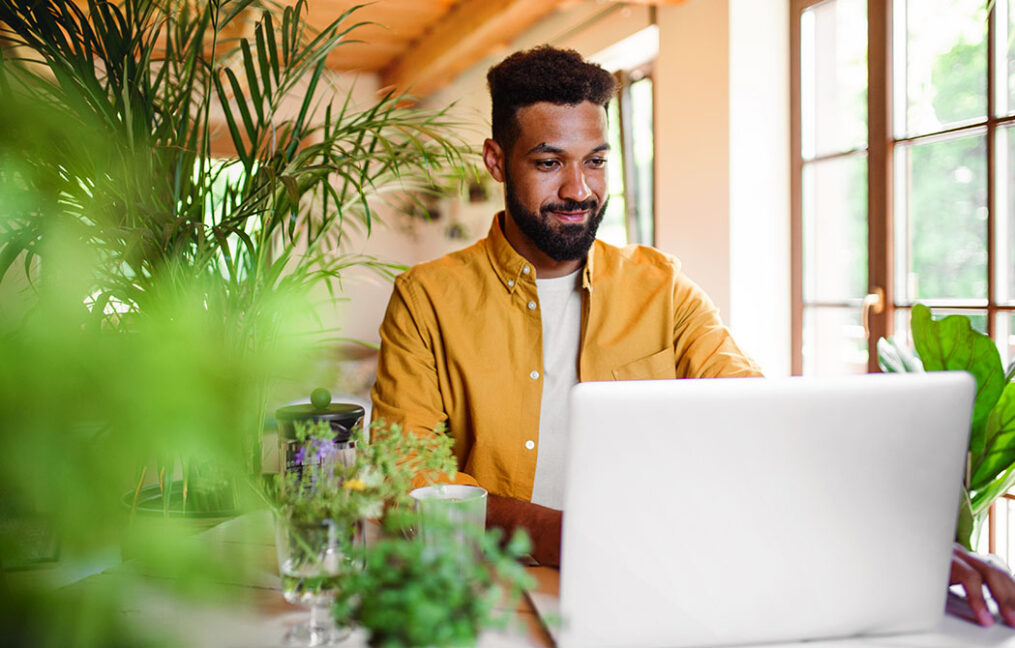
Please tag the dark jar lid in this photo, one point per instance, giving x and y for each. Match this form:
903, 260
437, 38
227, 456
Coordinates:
341, 416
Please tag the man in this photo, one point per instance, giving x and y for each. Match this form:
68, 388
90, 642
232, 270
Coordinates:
490, 339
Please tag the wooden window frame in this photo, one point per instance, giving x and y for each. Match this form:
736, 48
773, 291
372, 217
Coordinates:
881, 146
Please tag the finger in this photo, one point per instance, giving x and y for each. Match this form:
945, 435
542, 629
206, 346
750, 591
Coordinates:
1000, 584
972, 582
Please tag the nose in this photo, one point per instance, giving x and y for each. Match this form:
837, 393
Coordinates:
573, 185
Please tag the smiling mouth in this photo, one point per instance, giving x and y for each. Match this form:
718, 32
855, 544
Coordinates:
571, 216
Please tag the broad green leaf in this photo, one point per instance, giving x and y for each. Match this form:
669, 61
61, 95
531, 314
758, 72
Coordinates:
982, 499
999, 440
953, 344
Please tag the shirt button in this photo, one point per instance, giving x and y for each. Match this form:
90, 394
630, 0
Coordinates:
525, 269
511, 283
532, 305
534, 375
530, 444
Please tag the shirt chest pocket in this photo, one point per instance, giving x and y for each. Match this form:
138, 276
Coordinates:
660, 365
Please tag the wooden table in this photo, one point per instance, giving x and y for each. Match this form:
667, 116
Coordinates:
256, 615
252, 612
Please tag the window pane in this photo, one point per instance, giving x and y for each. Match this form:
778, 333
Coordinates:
835, 229
1006, 57
901, 327
644, 149
941, 220
833, 77
833, 342
978, 318
613, 228
1004, 222
944, 78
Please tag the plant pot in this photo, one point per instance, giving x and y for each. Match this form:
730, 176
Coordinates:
149, 515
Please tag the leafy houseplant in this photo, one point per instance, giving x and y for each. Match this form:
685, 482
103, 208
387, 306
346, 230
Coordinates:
157, 81
323, 500
404, 591
376, 480
952, 343
412, 594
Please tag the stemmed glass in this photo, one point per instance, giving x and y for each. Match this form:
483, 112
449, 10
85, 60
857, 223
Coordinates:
310, 558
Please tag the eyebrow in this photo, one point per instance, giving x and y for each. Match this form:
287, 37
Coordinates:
543, 147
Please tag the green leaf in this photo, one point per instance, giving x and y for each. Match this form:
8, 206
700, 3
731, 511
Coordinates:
253, 83
953, 344
999, 440
234, 131
241, 103
966, 522
291, 188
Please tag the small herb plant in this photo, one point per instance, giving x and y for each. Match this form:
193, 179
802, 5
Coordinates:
952, 343
334, 486
414, 594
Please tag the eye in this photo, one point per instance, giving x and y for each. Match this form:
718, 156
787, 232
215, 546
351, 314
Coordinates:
597, 162
547, 165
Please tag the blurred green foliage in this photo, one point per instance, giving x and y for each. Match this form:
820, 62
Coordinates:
413, 594
151, 295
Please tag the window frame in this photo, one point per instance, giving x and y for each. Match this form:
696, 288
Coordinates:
881, 148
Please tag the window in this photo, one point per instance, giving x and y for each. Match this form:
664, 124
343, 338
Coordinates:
903, 185
629, 216
904, 125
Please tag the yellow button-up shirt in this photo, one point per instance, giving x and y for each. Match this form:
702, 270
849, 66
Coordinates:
461, 343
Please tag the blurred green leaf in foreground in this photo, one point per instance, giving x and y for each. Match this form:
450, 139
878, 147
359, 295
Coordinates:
85, 405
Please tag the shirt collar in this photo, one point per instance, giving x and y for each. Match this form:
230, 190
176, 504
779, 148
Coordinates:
512, 268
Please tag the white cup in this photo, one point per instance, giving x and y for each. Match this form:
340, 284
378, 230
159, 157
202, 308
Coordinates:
450, 512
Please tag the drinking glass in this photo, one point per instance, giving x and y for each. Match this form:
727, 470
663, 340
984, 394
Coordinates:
310, 558
450, 512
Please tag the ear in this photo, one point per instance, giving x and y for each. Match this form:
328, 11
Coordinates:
494, 159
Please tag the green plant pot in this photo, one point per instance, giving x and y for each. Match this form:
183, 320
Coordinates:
149, 502
149, 515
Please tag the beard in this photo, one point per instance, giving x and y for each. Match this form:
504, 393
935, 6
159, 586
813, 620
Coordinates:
559, 241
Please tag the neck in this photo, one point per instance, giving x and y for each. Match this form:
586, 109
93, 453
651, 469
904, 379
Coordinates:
546, 267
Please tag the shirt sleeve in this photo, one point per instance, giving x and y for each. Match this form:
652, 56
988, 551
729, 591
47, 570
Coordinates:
703, 346
407, 389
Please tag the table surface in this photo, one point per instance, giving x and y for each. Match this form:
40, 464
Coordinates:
259, 616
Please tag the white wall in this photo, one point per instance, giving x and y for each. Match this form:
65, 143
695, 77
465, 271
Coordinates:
722, 162
692, 142
760, 181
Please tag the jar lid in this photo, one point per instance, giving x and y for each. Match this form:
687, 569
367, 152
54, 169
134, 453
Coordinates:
345, 415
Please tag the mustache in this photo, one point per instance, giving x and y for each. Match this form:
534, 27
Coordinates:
571, 205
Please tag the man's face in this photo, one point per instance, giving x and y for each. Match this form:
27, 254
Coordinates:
555, 177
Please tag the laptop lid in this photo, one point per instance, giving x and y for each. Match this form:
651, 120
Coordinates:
715, 512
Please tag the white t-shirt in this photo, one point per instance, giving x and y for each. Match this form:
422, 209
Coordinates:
560, 304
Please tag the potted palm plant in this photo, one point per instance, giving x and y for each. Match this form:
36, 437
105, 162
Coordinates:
158, 82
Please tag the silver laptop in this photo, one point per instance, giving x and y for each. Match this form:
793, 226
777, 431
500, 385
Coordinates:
717, 512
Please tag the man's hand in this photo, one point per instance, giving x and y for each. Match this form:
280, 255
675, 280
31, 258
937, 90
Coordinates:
973, 573
542, 523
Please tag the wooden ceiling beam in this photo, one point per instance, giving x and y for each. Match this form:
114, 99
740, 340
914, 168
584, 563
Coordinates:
467, 33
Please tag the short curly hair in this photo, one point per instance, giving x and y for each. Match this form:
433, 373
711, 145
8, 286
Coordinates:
543, 73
